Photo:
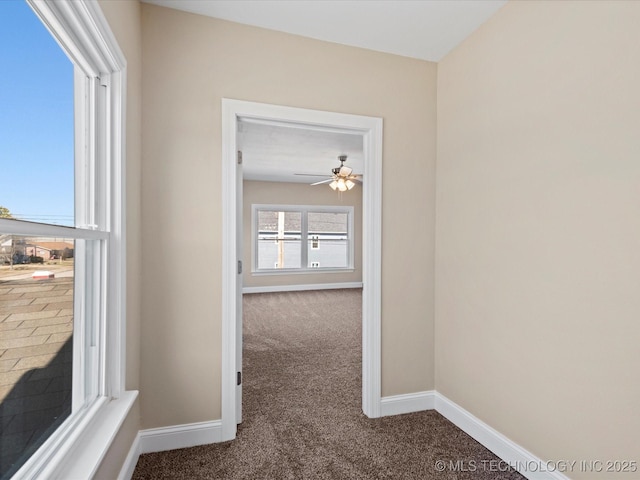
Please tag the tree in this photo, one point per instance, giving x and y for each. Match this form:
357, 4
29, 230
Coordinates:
5, 213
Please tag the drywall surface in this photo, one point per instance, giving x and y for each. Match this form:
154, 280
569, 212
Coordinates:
538, 189
190, 63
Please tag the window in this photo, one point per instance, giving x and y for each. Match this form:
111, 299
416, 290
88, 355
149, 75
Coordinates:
291, 239
61, 231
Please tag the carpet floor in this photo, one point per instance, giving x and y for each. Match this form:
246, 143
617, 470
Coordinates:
302, 416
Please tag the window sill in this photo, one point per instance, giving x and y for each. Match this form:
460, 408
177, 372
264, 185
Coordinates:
300, 271
90, 447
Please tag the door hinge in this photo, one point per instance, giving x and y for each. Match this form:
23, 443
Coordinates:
239, 157
239, 267
239, 381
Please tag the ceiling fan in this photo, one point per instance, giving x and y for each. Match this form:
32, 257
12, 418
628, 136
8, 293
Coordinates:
342, 178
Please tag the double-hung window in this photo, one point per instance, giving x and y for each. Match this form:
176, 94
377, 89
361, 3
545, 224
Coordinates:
302, 239
61, 231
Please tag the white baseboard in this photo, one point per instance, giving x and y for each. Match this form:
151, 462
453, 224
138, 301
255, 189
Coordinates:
407, 403
180, 436
299, 288
513, 454
190, 435
126, 472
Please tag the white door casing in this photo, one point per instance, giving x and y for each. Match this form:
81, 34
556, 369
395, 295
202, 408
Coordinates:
371, 130
241, 266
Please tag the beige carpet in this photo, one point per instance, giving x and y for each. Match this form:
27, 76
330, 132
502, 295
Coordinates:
302, 408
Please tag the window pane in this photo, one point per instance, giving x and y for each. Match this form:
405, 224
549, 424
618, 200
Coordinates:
279, 238
328, 240
36, 323
36, 120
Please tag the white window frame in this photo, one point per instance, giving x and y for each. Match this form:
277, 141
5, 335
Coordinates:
304, 210
77, 447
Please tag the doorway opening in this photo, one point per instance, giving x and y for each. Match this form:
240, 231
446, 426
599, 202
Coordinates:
370, 130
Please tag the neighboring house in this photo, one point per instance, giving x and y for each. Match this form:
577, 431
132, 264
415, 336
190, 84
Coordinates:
6, 249
11, 246
12, 250
50, 250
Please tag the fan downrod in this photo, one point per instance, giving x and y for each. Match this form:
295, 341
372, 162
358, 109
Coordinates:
342, 158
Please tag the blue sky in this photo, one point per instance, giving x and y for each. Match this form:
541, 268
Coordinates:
36, 119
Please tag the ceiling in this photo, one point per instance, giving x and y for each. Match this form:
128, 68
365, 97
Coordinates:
277, 153
423, 29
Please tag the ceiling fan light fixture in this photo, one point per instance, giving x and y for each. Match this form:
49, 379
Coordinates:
334, 185
349, 184
345, 171
342, 186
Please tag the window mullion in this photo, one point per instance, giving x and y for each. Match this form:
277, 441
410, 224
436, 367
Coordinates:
304, 244
350, 237
86, 146
101, 170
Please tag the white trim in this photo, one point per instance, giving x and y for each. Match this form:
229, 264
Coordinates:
517, 457
407, 403
371, 270
129, 465
180, 436
520, 459
304, 211
21, 227
230, 286
190, 435
300, 271
81, 29
93, 442
300, 288
371, 130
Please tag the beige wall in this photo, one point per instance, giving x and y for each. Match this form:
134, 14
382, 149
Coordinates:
277, 193
538, 189
124, 19
536, 302
192, 62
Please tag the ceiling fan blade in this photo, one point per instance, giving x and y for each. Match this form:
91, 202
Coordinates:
323, 181
312, 174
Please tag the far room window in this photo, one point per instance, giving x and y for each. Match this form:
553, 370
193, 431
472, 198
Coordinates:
60, 233
290, 239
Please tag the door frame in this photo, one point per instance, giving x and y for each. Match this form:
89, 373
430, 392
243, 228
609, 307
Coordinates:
371, 130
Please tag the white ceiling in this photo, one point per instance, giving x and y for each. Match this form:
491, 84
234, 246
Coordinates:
277, 153
423, 29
